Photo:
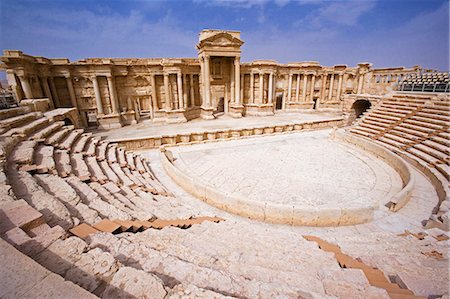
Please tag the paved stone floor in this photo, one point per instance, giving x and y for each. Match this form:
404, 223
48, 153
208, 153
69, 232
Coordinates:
148, 129
303, 169
264, 260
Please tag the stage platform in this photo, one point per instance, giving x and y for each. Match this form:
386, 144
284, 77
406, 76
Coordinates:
150, 135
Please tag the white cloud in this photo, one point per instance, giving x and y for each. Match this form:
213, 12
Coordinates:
346, 13
83, 33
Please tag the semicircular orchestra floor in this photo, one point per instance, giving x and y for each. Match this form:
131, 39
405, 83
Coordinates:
303, 169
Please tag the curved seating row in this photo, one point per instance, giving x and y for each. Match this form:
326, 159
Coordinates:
418, 129
55, 178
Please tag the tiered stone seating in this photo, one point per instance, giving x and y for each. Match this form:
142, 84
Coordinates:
55, 177
416, 128
426, 82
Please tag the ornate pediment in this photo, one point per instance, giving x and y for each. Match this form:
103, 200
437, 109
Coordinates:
222, 39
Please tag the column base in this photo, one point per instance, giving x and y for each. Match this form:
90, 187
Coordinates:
110, 121
207, 113
259, 109
175, 116
129, 117
236, 110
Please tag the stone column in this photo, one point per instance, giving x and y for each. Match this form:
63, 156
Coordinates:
154, 93
270, 88
237, 80
305, 84
54, 92
261, 88
297, 89
232, 85
98, 99
47, 92
191, 81
324, 87
289, 89
180, 91
338, 96
166, 92
207, 84
26, 87
330, 92
112, 95
73, 99
360, 83
241, 89
313, 81
252, 87
185, 90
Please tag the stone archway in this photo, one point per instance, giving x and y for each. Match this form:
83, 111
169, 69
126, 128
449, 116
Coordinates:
360, 106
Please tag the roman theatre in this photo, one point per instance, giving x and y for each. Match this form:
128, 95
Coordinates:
209, 177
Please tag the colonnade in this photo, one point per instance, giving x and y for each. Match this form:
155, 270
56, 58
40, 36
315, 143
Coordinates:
270, 86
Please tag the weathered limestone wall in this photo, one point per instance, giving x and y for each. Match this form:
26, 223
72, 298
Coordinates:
110, 93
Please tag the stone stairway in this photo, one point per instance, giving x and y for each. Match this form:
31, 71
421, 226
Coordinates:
417, 128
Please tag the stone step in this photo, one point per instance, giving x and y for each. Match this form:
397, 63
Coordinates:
47, 131
437, 146
70, 140
394, 109
80, 144
19, 121
79, 167
362, 133
91, 146
431, 115
23, 153
107, 197
423, 123
124, 179
160, 189
43, 158
19, 214
384, 116
423, 156
22, 277
29, 128
110, 174
130, 160
401, 140
139, 165
121, 157
375, 123
62, 163
373, 127
434, 122
368, 130
97, 174
444, 168
135, 180
376, 119
101, 150
391, 142
12, 112
58, 136
410, 129
441, 140
112, 154
409, 137
432, 152
92, 199
388, 113
436, 111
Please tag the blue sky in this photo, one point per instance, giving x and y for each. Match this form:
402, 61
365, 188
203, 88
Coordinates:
386, 33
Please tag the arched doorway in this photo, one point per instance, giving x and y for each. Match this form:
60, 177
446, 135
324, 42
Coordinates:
68, 122
360, 106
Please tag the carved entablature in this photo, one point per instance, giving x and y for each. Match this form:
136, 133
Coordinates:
221, 43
